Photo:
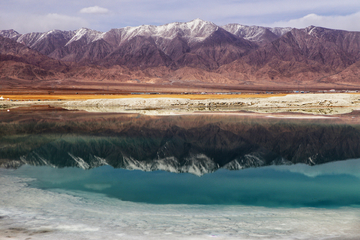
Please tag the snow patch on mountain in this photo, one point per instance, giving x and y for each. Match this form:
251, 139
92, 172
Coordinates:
197, 164
248, 160
29, 39
278, 31
253, 33
80, 162
35, 160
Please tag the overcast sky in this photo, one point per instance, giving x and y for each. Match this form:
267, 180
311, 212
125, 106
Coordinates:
44, 15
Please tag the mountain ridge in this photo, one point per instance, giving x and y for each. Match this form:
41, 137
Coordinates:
198, 51
54, 42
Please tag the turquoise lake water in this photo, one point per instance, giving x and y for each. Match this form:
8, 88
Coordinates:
76, 175
274, 186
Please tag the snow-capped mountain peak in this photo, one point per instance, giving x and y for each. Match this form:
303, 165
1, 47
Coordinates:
197, 24
200, 29
88, 34
11, 33
195, 30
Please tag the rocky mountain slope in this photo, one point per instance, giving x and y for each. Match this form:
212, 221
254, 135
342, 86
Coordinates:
193, 51
309, 53
17, 59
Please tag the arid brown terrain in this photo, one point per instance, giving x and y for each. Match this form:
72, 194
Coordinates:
197, 56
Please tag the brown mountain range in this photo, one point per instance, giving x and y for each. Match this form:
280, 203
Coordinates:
192, 53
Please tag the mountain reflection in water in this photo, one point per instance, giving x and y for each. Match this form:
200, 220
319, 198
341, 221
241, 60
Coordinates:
195, 144
299, 180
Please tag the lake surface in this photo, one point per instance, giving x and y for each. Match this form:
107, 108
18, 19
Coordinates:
77, 175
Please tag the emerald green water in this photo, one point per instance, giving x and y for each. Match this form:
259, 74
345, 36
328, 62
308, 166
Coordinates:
274, 186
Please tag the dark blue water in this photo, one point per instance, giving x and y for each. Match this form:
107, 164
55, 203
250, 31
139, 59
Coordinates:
324, 186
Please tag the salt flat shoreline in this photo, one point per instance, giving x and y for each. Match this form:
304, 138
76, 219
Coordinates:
324, 103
